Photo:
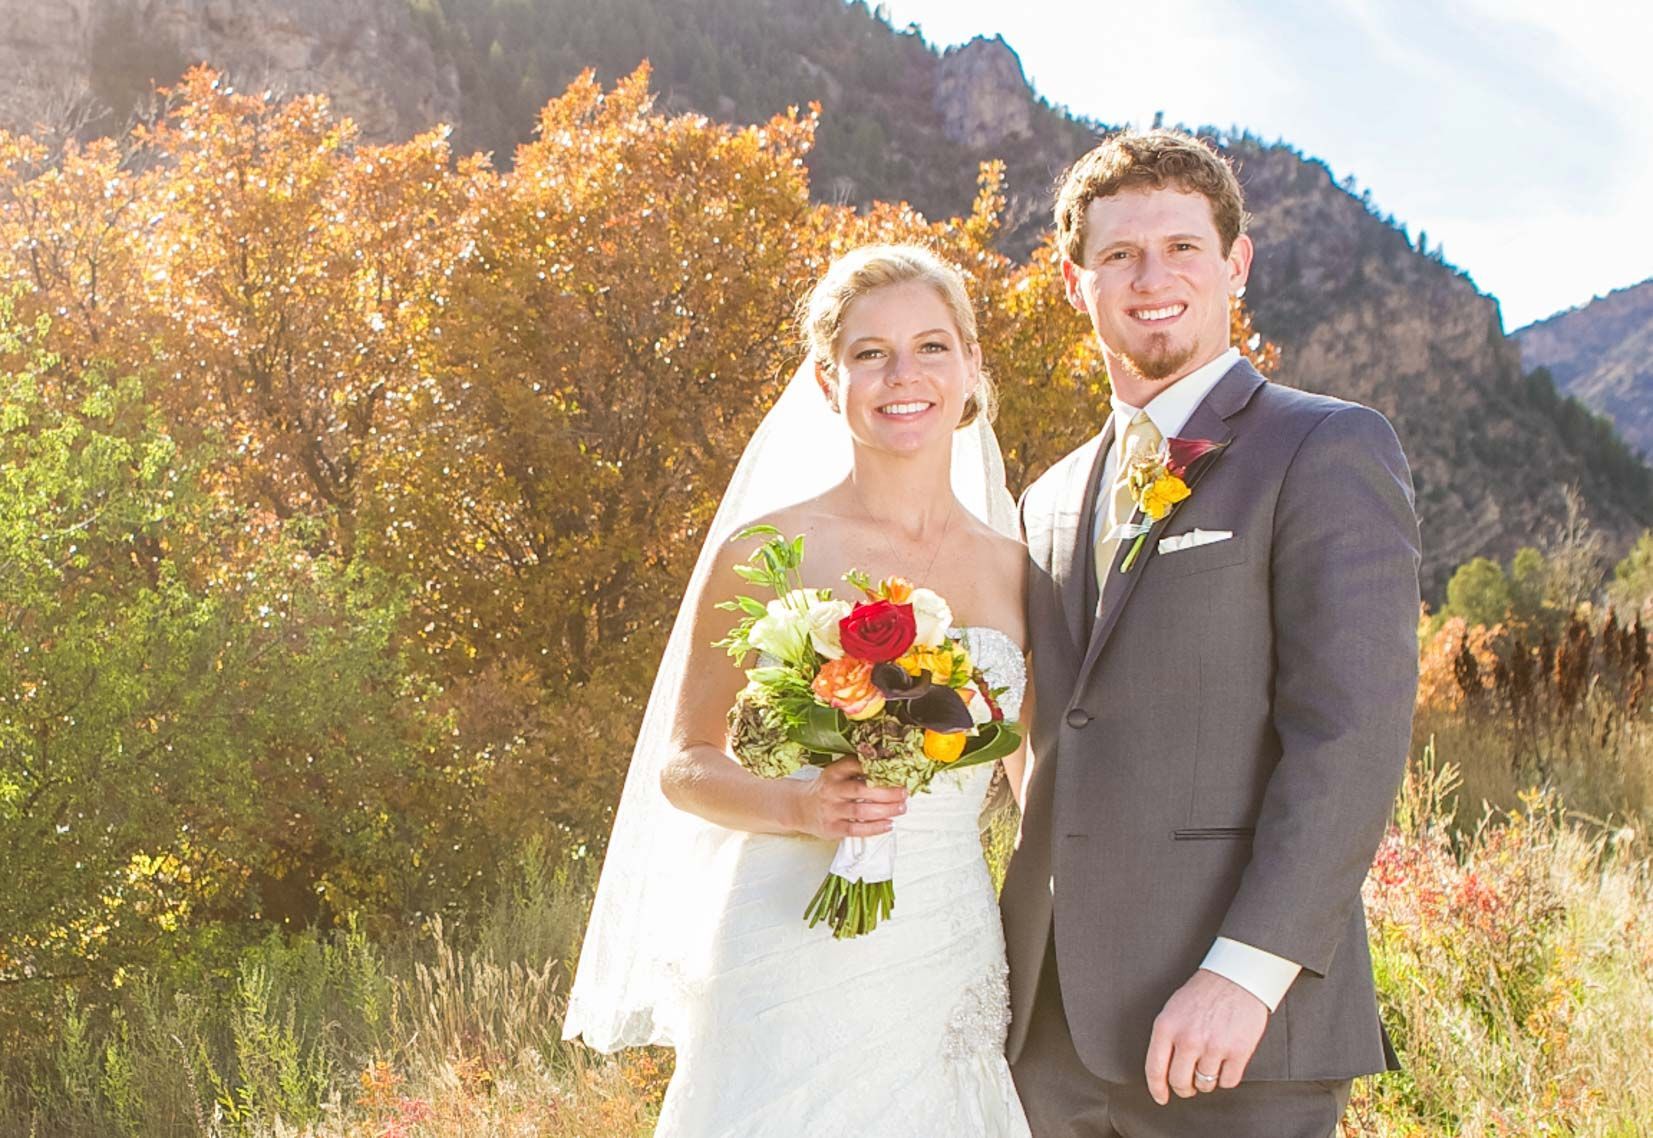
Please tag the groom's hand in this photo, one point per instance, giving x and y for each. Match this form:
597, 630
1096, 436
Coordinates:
1210, 1025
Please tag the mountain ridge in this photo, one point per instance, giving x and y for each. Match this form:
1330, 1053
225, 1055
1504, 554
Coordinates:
1602, 353
1358, 311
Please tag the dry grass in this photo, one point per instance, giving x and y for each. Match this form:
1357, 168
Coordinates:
1514, 950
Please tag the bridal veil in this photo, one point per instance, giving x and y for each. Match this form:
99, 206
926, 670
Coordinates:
665, 871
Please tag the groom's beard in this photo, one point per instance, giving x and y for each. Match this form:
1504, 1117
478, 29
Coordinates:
1161, 360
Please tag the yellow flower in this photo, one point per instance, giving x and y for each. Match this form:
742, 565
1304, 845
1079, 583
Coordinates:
942, 663
942, 747
1162, 494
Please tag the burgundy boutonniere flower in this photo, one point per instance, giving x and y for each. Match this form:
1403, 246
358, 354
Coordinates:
1159, 483
1183, 453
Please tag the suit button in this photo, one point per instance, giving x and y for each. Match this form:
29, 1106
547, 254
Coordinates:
1078, 717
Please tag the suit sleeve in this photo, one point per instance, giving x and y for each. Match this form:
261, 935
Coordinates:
1344, 591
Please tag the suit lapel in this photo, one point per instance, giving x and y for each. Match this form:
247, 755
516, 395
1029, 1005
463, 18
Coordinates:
1209, 421
1071, 547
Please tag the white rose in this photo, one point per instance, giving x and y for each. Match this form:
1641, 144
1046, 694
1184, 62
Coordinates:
822, 622
782, 632
933, 617
979, 711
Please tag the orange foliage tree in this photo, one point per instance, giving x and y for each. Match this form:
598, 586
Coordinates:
513, 398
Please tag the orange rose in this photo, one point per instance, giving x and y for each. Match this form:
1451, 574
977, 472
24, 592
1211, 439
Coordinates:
943, 747
846, 683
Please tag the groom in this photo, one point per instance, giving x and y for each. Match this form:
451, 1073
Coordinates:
1224, 701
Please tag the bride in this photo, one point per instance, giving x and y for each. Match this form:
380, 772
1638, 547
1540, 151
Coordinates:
880, 455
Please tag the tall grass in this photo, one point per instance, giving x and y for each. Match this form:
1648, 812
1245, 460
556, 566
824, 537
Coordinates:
1513, 948
1514, 960
446, 1033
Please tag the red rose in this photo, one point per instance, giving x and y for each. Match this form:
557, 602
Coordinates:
878, 632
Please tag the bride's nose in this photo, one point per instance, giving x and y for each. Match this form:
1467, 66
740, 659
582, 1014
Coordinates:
904, 368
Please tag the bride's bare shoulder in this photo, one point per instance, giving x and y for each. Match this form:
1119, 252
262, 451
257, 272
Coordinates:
1007, 555
808, 518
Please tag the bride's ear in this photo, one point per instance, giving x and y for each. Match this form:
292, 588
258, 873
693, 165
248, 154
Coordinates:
828, 384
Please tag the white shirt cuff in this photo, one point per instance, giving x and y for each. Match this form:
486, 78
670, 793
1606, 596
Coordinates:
1263, 974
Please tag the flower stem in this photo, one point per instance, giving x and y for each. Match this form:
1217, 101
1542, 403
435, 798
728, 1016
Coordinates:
1130, 558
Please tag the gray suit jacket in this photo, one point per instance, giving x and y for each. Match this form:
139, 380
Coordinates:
1218, 738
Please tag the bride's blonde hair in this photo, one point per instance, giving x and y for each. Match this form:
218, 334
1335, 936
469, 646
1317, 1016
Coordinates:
858, 272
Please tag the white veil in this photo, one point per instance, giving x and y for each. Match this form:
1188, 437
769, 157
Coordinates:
658, 896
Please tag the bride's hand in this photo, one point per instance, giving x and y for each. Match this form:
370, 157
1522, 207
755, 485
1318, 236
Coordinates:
841, 804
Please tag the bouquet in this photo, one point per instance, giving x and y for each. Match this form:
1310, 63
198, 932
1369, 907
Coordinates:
884, 679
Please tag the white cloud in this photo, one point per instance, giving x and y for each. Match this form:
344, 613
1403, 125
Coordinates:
1518, 133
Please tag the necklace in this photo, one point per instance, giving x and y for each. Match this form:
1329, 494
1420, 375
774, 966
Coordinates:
889, 546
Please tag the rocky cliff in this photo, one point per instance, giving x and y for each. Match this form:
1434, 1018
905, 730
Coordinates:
1360, 314
1357, 311
1602, 352
74, 59
982, 94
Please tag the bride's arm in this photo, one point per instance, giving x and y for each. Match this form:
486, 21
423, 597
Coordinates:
1016, 763
701, 776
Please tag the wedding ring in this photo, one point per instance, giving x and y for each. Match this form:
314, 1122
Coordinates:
1202, 1077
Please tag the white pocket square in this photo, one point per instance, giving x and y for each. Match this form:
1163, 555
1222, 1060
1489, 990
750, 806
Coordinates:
1193, 539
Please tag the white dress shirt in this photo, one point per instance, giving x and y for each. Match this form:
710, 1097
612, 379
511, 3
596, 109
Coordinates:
1263, 974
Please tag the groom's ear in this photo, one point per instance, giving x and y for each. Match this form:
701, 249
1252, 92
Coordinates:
1070, 284
1239, 263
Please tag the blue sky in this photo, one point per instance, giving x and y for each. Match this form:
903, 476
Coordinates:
1517, 133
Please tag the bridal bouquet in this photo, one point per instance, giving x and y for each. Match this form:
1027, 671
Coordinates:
884, 679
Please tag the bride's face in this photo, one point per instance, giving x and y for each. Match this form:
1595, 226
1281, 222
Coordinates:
902, 370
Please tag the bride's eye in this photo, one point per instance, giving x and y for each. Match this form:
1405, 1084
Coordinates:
868, 353
936, 344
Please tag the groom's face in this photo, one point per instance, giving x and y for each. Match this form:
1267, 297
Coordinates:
1156, 285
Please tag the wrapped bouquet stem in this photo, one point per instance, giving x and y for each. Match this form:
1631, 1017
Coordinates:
885, 680
859, 889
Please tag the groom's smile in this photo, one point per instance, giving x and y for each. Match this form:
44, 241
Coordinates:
1158, 316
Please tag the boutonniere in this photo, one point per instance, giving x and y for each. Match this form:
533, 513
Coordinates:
1159, 481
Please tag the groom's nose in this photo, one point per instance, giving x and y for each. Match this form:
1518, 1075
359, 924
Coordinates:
1152, 273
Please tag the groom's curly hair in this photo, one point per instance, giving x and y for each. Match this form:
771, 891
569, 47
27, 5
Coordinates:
1152, 159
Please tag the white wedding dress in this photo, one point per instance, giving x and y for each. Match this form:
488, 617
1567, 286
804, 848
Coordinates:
789, 1033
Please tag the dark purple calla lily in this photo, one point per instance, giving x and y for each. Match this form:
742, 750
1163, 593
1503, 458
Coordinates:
920, 701
939, 709
1183, 453
897, 685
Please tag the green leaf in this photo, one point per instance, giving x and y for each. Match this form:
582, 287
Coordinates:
992, 742
751, 607
825, 729
756, 531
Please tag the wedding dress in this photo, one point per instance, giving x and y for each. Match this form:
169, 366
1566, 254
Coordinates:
697, 939
787, 1032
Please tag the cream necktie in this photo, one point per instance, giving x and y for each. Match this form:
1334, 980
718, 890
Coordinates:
1141, 437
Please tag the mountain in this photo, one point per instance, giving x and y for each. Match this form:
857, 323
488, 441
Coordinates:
1358, 311
71, 65
1602, 353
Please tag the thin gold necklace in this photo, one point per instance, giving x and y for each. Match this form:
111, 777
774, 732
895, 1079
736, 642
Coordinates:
889, 547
